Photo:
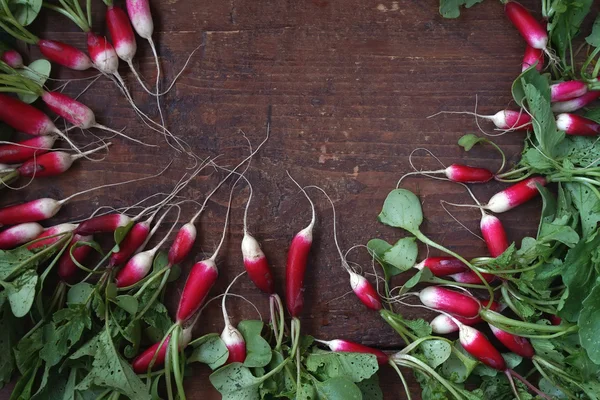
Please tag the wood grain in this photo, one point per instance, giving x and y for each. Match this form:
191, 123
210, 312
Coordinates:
351, 84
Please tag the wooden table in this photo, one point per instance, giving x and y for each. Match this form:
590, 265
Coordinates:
351, 84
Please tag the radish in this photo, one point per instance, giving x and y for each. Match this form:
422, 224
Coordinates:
471, 277
54, 234
255, 261
450, 301
365, 292
51, 164
444, 324
503, 119
157, 352
516, 344
19, 234
345, 346
458, 173
41, 209
530, 29
477, 345
134, 239
577, 103
567, 90
64, 54
573, 124
515, 195
67, 268
103, 224
442, 266
121, 33
494, 234
27, 119
78, 114
296, 264
233, 339
531, 57
12, 58
201, 279
14, 153
103, 54
140, 264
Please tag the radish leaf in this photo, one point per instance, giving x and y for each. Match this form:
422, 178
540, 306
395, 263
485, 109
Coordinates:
339, 388
127, 303
236, 382
594, 38
21, 293
402, 209
451, 8
258, 351
210, 350
38, 71
25, 11
589, 324
370, 388
353, 366
79, 293
436, 352
402, 256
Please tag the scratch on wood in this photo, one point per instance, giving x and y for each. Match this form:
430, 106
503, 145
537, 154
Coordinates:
232, 12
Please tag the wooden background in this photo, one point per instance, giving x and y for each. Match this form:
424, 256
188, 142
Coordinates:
351, 84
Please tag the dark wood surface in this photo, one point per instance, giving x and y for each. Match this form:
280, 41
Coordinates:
351, 84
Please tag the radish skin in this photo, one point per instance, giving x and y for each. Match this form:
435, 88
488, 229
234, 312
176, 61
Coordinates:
476, 344
568, 90
256, 264
365, 292
67, 269
142, 362
103, 54
234, 341
64, 54
444, 324
201, 279
494, 235
516, 344
25, 150
121, 33
450, 301
12, 58
466, 174
136, 269
141, 17
32, 211
510, 119
471, 277
183, 243
515, 195
52, 231
103, 224
533, 56
19, 234
442, 266
573, 124
345, 346
24, 117
577, 103
134, 239
295, 270
530, 29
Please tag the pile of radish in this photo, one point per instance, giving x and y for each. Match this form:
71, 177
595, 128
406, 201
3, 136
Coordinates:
519, 322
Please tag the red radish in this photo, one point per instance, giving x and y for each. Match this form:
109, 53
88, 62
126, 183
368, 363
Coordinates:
442, 266
515, 195
255, 261
103, 54
27, 119
140, 264
141, 18
459, 173
577, 103
494, 234
51, 164
450, 301
19, 234
54, 234
573, 124
121, 33
555, 320
103, 224
143, 362
78, 113
201, 279
14, 153
476, 344
509, 120
567, 90
233, 339
134, 239
516, 344
345, 346
531, 57
256, 264
64, 54
365, 292
296, 264
472, 278
444, 324
67, 269
530, 29
183, 243
12, 58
